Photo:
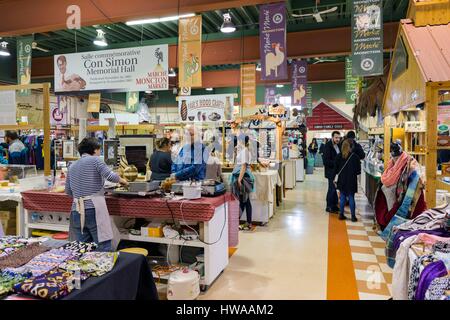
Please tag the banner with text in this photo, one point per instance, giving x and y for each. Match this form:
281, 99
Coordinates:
206, 108
299, 82
367, 37
309, 97
190, 52
272, 41
135, 69
351, 82
94, 102
248, 85
24, 52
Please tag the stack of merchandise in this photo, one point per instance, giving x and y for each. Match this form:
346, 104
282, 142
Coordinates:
420, 253
48, 269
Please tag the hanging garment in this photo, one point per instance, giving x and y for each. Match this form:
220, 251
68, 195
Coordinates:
414, 275
437, 288
392, 173
429, 220
400, 275
430, 272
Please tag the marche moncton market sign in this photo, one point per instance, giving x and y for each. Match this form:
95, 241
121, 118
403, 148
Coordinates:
130, 69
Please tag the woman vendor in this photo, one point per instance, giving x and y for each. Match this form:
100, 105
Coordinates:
161, 160
89, 220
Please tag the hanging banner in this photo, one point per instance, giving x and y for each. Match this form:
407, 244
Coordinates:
248, 85
24, 52
94, 102
270, 95
206, 108
367, 37
59, 112
190, 52
351, 82
272, 41
135, 69
132, 101
309, 98
299, 82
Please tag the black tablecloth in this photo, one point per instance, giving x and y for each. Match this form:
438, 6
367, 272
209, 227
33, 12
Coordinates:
131, 279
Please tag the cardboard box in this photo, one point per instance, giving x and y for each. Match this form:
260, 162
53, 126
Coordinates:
154, 230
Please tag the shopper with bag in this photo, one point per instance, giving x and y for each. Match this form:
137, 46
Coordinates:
330, 152
346, 180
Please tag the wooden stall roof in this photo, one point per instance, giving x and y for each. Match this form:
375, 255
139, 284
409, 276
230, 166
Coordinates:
431, 47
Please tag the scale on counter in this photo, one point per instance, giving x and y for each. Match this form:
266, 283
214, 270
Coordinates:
138, 188
210, 188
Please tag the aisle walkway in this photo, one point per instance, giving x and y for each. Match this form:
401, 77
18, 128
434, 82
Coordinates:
304, 253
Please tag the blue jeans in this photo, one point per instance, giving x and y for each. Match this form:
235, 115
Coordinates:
351, 200
89, 231
332, 198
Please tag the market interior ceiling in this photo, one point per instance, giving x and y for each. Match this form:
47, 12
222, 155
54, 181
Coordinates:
222, 53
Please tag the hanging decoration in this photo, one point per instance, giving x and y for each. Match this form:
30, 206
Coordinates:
190, 52
299, 82
248, 85
24, 52
272, 41
351, 82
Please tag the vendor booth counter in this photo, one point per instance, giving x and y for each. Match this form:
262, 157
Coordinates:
217, 216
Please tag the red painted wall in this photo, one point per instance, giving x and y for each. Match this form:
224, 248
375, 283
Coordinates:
325, 118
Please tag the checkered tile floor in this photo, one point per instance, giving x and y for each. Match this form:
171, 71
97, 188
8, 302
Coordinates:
373, 275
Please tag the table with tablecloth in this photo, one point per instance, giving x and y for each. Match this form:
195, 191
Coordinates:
263, 199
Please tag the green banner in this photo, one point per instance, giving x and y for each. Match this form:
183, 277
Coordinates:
24, 52
132, 101
367, 37
351, 82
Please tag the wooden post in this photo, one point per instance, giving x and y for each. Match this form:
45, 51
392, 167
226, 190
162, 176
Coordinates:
223, 142
46, 119
431, 109
387, 140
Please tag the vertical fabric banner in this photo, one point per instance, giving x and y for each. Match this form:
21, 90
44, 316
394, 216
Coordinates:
351, 82
309, 98
270, 94
94, 102
299, 82
190, 52
248, 85
132, 101
24, 52
367, 37
272, 41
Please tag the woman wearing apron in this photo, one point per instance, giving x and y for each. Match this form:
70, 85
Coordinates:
89, 220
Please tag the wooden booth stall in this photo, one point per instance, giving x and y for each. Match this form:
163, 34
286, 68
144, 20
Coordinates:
416, 103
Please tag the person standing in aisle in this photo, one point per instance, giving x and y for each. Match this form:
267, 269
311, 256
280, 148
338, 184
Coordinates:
322, 146
347, 164
161, 160
330, 152
243, 181
89, 219
313, 148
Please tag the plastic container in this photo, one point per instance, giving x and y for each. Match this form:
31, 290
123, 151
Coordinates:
183, 285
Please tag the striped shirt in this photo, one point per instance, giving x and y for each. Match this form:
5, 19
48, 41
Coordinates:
86, 177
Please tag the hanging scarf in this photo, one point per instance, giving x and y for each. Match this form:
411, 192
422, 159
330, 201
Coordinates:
393, 171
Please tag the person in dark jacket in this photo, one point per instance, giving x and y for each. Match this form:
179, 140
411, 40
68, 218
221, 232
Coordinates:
161, 160
322, 146
347, 164
356, 148
330, 152
313, 148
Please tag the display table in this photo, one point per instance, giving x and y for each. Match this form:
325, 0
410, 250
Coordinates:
290, 174
15, 197
264, 198
130, 279
371, 182
217, 217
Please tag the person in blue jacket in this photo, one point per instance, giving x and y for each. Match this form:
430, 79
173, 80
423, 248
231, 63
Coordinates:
191, 161
17, 150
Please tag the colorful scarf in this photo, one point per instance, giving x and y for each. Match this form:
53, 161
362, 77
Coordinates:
394, 170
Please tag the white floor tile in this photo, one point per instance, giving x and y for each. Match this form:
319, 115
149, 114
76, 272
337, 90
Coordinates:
357, 232
376, 239
364, 257
367, 275
370, 296
360, 243
379, 251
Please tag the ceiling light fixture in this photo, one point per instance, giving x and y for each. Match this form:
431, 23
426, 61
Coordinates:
156, 20
280, 85
258, 67
209, 89
100, 40
4, 49
148, 91
227, 25
172, 73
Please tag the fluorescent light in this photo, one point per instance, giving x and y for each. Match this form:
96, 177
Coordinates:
209, 89
227, 25
100, 40
4, 52
258, 67
172, 73
148, 91
280, 85
156, 20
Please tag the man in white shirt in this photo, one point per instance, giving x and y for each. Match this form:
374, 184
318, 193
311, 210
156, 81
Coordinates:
65, 80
